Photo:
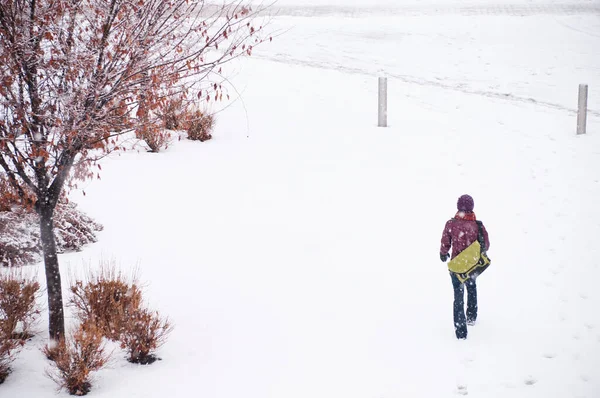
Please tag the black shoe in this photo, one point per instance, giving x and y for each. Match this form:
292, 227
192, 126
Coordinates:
471, 322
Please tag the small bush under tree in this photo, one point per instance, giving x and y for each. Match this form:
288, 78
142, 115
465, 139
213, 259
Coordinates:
143, 333
155, 138
172, 112
9, 347
106, 299
199, 126
176, 114
112, 303
76, 358
18, 312
18, 306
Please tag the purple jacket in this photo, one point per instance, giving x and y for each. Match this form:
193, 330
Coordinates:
459, 234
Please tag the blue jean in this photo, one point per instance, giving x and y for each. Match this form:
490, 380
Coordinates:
460, 322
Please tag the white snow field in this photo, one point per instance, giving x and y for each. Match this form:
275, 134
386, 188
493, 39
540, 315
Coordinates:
297, 252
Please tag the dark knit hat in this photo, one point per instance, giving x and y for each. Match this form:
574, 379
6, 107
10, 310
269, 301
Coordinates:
465, 203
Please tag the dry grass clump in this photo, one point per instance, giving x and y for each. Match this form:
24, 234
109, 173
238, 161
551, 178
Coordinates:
107, 299
112, 302
76, 358
18, 313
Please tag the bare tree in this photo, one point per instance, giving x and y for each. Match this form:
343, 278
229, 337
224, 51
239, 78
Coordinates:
77, 74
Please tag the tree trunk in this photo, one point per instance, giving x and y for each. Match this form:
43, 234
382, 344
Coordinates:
55, 301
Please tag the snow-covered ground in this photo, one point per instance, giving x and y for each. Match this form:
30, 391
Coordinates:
359, 8
297, 252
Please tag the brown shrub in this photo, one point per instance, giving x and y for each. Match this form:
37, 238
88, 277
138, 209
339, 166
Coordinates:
172, 112
75, 359
112, 304
143, 333
156, 138
177, 114
199, 125
18, 306
106, 299
9, 347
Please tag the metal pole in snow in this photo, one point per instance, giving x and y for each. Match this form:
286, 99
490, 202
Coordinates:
582, 109
382, 102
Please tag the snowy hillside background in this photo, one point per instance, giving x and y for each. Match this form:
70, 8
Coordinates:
297, 251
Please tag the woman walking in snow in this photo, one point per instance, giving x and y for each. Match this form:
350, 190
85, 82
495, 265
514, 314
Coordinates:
459, 233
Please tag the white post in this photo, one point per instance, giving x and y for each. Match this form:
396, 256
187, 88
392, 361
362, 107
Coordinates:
582, 109
382, 102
